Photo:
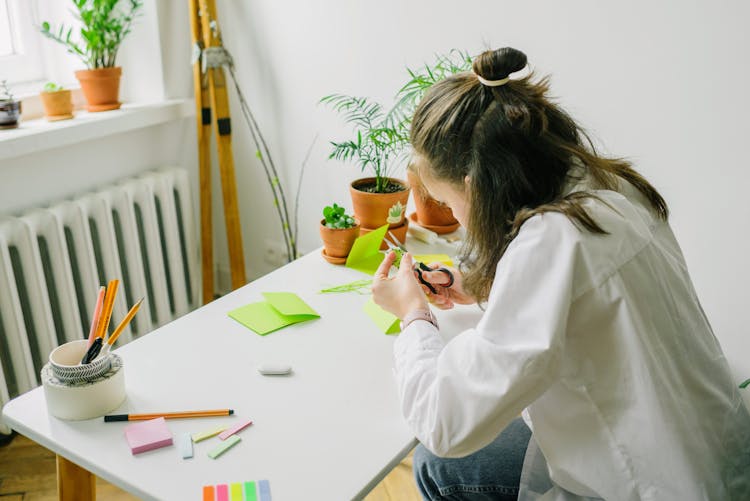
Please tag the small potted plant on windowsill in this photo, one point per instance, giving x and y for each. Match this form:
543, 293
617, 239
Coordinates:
10, 108
338, 230
376, 146
104, 25
57, 102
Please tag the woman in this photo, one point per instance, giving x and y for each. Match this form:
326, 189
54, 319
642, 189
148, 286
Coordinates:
591, 327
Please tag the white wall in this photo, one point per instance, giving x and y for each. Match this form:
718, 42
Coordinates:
663, 83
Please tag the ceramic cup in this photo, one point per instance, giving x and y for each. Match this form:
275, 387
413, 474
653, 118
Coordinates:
65, 361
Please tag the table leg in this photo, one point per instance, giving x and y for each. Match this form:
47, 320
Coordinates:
73, 482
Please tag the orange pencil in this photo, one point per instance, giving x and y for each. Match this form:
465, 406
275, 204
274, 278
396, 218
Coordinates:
125, 321
109, 303
168, 415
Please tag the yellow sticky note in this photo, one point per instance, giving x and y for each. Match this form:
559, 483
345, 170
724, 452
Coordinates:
197, 437
434, 258
386, 322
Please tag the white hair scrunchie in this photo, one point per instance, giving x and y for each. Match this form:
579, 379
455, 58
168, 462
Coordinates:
492, 83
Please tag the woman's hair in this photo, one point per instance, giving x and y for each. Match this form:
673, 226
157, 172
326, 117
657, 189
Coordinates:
519, 150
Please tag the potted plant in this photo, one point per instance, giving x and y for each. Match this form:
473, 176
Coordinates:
104, 25
338, 230
57, 102
429, 213
10, 108
376, 146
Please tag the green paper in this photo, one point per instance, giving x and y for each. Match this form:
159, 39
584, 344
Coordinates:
280, 309
386, 322
365, 255
223, 447
250, 491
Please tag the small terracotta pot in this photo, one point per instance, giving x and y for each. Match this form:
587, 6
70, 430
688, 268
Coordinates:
101, 87
372, 208
429, 211
337, 242
57, 105
399, 232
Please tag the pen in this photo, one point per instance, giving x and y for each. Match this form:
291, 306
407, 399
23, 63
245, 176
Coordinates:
93, 351
97, 314
168, 415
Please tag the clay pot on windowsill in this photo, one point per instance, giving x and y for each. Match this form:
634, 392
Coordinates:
337, 242
58, 105
430, 214
101, 87
372, 209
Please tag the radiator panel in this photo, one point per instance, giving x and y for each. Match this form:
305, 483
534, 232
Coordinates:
140, 230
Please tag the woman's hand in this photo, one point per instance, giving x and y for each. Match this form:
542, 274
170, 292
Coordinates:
445, 297
401, 293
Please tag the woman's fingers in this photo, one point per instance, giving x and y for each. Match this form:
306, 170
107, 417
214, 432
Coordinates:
385, 266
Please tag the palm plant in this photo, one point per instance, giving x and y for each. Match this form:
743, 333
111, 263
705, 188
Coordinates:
104, 25
376, 141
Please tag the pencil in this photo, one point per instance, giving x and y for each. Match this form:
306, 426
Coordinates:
125, 321
168, 415
97, 314
109, 303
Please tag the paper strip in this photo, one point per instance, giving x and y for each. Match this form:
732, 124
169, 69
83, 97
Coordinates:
250, 491
234, 429
236, 491
197, 437
223, 447
208, 493
186, 445
264, 490
222, 492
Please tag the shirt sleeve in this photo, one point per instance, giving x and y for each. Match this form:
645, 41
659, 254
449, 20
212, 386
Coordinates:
458, 396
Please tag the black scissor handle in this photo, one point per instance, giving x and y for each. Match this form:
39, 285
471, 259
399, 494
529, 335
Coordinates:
420, 266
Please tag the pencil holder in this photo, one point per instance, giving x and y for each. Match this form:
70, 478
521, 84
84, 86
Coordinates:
82, 391
66, 362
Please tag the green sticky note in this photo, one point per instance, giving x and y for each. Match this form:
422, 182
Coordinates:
250, 491
386, 322
278, 310
224, 446
365, 255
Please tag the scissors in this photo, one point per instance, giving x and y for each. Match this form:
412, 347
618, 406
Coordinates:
419, 266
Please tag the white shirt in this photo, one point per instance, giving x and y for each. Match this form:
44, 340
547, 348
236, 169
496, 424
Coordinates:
602, 341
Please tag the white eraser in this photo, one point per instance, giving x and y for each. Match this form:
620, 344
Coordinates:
186, 445
274, 369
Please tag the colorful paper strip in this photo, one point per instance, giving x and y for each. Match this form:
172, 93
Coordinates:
264, 490
223, 447
234, 429
197, 437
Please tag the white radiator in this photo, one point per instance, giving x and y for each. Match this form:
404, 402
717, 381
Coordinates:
53, 260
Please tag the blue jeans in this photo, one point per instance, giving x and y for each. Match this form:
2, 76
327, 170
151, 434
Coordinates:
491, 473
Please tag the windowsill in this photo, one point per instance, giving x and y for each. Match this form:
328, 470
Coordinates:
36, 135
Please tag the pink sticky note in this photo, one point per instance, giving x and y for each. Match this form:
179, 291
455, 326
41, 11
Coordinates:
148, 435
234, 429
222, 492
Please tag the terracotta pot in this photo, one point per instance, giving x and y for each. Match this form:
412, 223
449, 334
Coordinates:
10, 114
399, 232
101, 87
372, 209
57, 105
429, 211
337, 242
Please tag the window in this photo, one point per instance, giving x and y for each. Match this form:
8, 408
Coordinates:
21, 59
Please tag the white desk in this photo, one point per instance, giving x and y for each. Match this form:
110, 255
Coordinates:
330, 431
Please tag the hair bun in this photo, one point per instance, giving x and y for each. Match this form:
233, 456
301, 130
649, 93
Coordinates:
499, 63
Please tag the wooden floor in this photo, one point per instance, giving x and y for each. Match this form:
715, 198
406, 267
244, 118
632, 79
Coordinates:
27, 473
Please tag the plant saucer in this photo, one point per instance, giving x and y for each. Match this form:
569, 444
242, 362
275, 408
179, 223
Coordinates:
440, 230
331, 259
